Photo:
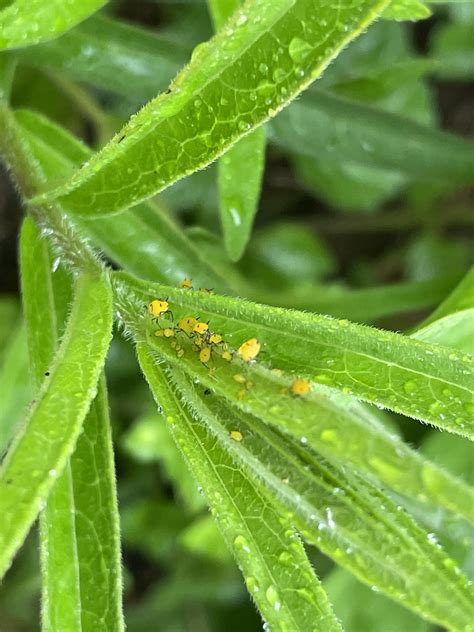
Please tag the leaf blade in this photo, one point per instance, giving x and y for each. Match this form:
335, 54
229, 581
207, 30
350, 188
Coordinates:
40, 451
210, 81
252, 529
26, 22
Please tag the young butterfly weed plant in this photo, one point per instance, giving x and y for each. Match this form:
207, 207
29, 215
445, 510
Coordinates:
276, 412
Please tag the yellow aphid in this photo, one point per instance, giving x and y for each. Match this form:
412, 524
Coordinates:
187, 324
175, 345
300, 386
198, 342
205, 355
200, 328
249, 349
207, 290
180, 353
242, 394
159, 332
215, 339
168, 332
158, 307
238, 377
226, 355
277, 372
235, 435
186, 284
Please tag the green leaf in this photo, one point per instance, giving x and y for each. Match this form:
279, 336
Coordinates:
234, 83
461, 298
346, 517
361, 304
401, 10
420, 380
148, 440
328, 127
333, 423
144, 239
7, 71
455, 330
26, 22
95, 504
112, 55
277, 573
14, 385
453, 49
81, 576
147, 243
240, 182
347, 595
241, 169
40, 451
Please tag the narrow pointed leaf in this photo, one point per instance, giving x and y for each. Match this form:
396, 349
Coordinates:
329, 127
240, 170
99, 51
424, 381
345, 516
40, 451
240, 181
26, 22
267, 54
81, 576
144, 240
149, 244
277, 573
14, 385
336, 425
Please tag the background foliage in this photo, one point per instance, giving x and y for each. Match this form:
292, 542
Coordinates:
350, 204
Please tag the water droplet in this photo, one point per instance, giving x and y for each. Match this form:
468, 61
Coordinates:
244, 126
410, 387
330, 519
241, 544
435, 407
273, 598
235, 215
299, 49
241, 19
53, 473
263, 68
304, 440
279, 75
252, 585
285, 558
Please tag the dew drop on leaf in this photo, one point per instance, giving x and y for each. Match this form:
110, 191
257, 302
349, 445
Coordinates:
273, 598
299, 49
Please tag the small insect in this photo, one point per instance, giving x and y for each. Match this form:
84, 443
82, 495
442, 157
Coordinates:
200, 328
227, 355
180, 352
236, 435
158, 308
300, 386
238, 377
207, 290
205, 355
215, 339
187, 324
186, 284
249, 350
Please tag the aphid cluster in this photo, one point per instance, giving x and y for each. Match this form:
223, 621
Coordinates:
207, 342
